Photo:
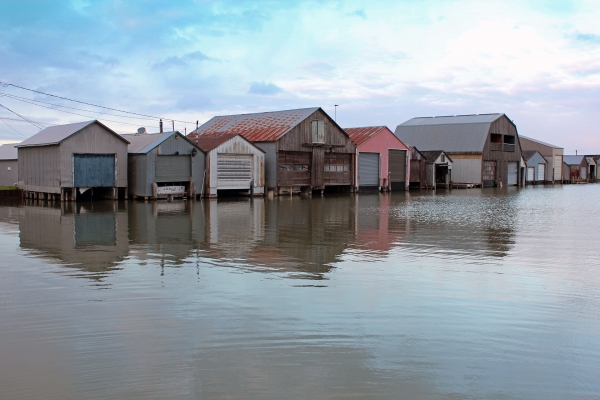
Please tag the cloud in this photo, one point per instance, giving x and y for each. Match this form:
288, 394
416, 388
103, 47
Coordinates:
183, 61
358, 13
195, 102
264, 89
588, 38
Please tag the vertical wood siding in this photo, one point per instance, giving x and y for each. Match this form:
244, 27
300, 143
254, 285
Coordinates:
505, 127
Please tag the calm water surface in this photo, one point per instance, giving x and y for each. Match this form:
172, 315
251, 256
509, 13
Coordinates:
490, 293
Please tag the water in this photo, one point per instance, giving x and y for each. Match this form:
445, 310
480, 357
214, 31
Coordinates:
490, 293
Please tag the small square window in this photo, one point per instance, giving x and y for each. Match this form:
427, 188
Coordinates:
9, 168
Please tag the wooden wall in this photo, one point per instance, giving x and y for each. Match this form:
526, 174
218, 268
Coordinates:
39, 169
505, 127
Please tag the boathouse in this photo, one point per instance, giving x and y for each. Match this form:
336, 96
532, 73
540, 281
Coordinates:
536, 167
233, 164
74, 161
417, 163
304, 149
553, 155
163, 165
9, 165
575, 169
485, 148
438, 169
382, 159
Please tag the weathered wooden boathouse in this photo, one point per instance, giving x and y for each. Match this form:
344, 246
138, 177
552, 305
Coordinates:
438, 169
305, 149
579, 169
417, 163
536, 167
9, 165
485, 148
553, 155
233, 164
382, 159
575, 169
163, 165
73, 161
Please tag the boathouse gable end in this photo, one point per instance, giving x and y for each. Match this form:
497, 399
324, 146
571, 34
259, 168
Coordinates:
304, 148
485, 148
166, 159
65, 157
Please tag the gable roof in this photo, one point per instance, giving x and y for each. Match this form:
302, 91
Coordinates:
257, 127
572, 160
56, 134
527, 154
454, 134
363, 134
539, 142
142, 143
433, 155
208, 143
8, 151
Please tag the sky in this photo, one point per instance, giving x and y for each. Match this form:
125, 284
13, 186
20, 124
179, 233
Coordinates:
381, 62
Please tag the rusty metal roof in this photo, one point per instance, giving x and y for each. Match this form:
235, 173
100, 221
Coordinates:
361, 135
257, 127
209, 143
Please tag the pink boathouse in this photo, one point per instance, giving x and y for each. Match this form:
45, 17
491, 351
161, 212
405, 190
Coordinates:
382, 160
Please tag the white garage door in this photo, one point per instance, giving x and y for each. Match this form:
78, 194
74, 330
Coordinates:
530, 174
512, 173
541, 172
234, 171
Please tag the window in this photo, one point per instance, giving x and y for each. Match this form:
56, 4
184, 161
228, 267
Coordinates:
443, 158
318, 131
496, 138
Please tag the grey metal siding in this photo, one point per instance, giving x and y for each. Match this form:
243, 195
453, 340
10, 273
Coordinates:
94, 139
270, 149
9, 172
173, 168
513, 173
368, 169
39, 169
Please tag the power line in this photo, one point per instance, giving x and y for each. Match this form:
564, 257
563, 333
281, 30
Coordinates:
19, 98
74, 113
37, 122
25, 119
11, 128
4, 84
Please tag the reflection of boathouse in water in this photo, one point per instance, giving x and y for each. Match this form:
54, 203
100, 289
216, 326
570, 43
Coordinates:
92, 238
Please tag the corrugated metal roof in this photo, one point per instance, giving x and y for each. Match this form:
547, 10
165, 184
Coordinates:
454, 119
452, 138
208, 143
572, 160
143, 143
56, 134
8, 151
257, 127
539, 142
361, 135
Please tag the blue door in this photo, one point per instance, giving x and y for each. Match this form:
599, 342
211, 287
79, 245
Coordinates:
94, 170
